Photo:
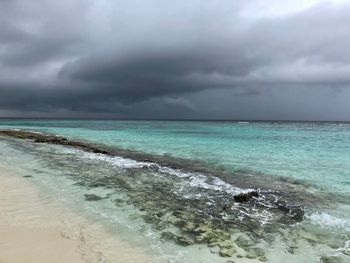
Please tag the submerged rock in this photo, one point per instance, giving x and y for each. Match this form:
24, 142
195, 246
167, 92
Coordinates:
244, 241
180, 240
27, 176
331, 259
119, 202
52, 139
80, 183
245, 197
227, 252
92, 197
291, 213
263, 259
256, 253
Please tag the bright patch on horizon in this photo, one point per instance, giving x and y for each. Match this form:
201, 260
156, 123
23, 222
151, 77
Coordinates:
273, 8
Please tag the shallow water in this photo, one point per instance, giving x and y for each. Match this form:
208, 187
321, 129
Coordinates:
36, 227
186, 216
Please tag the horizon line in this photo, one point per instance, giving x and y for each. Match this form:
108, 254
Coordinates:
171, 119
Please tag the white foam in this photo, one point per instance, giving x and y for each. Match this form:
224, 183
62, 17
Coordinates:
175, 172
41, 133
115, 161
200, 180
326, 220
194, 179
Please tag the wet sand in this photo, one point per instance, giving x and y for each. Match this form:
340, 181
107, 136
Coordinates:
36, 228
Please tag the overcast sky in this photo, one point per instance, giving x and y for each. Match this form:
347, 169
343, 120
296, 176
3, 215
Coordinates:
190, 59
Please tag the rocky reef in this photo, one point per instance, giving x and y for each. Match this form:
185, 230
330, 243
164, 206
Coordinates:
188, 209
52, 139
245, 197
92, 197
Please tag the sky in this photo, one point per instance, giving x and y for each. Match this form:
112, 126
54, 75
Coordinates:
162, 59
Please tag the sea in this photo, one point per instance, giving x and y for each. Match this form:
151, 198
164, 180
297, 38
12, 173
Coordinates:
174, 187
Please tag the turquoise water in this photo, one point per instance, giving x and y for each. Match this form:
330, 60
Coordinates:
300, 170
315, 152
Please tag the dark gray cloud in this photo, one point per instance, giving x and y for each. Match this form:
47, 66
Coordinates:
166, 59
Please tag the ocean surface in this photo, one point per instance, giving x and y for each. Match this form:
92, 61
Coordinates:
187, 213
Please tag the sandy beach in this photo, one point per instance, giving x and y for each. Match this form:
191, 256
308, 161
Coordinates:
36, 228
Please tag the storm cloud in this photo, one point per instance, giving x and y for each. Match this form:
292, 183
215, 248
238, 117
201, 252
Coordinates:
171, 59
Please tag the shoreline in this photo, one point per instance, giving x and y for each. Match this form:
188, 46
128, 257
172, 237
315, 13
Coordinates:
36, 228
268, 225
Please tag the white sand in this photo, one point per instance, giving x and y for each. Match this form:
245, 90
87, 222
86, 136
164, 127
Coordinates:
36, 228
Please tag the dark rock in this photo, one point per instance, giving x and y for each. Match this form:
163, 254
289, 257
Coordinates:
227, 252
244, 241
27, 176
92, 197
263, 259
245, 197
98, 184
214, 249
185, 241
181, 240
225, 208
331, 259
80, 183
292, 249
255, 253
291, 213
168, 236
119, 202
